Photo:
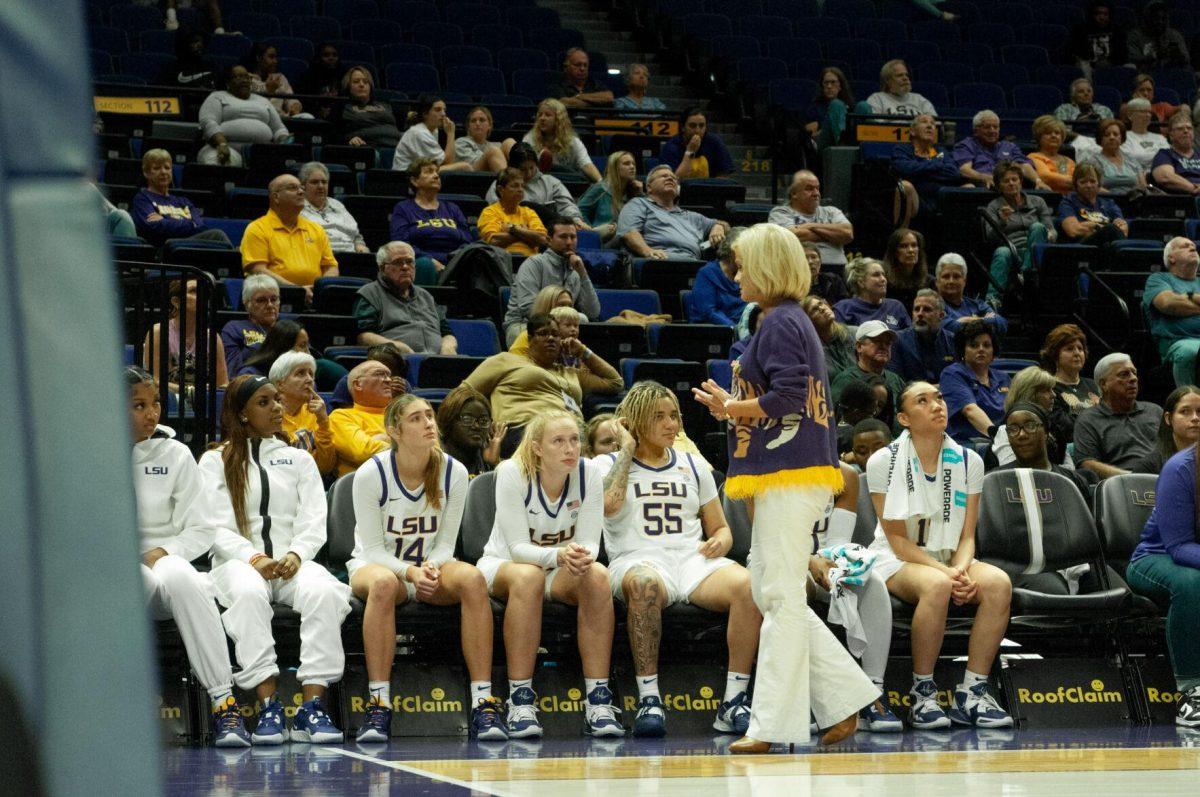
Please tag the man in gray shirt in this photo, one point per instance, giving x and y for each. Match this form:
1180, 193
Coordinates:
895, 96
394, 310
655, 226
540, 189
1117, 433
558, 265
812, 222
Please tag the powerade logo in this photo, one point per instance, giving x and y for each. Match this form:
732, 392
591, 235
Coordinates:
435, 703
683, 702
1072, 694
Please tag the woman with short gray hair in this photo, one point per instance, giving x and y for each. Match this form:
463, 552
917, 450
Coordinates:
331, 214
305, 416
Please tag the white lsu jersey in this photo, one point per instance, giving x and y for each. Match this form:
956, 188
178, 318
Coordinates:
398, 528
662, 505
529, 528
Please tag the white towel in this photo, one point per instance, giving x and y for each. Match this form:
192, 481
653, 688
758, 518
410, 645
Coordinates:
906, 496
851, 566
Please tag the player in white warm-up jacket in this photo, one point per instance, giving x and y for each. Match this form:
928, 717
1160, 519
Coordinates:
544, 543
268, 505
408, 505
174, 531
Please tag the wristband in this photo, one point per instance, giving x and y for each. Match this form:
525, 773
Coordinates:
254, 559
586, 353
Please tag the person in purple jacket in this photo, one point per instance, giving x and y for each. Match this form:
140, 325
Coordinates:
978, 155
716, 298
868, 300
783, 459
160, 217
432, 227
1165, 567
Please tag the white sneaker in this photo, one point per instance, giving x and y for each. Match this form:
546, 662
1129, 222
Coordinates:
1188, 715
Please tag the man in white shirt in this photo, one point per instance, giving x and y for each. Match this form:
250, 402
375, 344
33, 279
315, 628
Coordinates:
812, 222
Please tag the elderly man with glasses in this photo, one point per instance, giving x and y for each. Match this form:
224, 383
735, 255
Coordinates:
655, 226
394, 310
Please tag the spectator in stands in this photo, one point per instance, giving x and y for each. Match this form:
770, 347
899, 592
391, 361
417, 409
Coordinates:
655, 226
978, 155
1096, 41
556, 143
868, 300
236, 116
862, 401
577, 88
467, 431
558, 265
285, 245
601, 435
1119, 173
973, 389
905, 265
923, 351
1120, 431
366, 122
358, 431
1179, 428
925, 169
873, 351
190, 69
1154, 44
1140, 144
812, 222
1054, 168
567, 320
179, 371
1176, 169
161, 217
211, 9
1025, 220
260, 298
284, 335
1064, 353
305, 416
637, 81
829, 285
836, 340
895, 96
931, 7
509, 224
522, 387
474, 148
325, 72
390, 355
950, 277
1171, 301
267, 80
320, 208
1143, 88
696, 152
1035, 385
544, 192
420, 139
118, 222
825, 118
433, 227
866, 437
394, 310
1026, 432
601, 204
1164, 568
1080, 108
1088, 218
716, 296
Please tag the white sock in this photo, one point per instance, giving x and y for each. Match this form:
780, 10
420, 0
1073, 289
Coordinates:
480, 690
513, 686
590, 684
171, 15
970, 679
841, 526
647, 685
220, 696
381, 692
735, 684
918, 678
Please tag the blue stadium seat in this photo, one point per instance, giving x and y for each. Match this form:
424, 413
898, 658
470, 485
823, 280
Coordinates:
825, 29
1014, 14
789, 49
533, 18
758, 71
721, 372
413, 79
135, 18
1059, 75
315, 28
532, 83
496, 37
555, 42
913, 53
763, 27
936, 30
376, 32
464, 55
1167, 95
1035, 95
971, 53
1182, 81
849, 9
510, 59
856, 50
880, 30
941, 71
1052, 37
1027, 55
233, 228
475, 81
157, 41
1006, 76
229, 45
101, 62
348, 12
356, 52
793, 94
795, 9
253, 25
733, 47
612, 302
294, 69
476, 338
1119, 77
691, 341
993, 34
404, 54
112, 40
473, 13
291, 47
1067, 16
746, 7
409, 12
934, 92
980, 96
147, 66
437, 34
1107, 95
285, 8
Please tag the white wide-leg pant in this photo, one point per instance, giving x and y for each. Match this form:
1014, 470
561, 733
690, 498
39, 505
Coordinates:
800, 661
322, 601
875, 611
174, 589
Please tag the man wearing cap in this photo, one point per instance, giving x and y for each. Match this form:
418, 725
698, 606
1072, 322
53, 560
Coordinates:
1171, 301
923, 351
950, 277
1114, 435
873, 350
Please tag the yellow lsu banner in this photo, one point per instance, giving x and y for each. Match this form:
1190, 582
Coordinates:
161, 106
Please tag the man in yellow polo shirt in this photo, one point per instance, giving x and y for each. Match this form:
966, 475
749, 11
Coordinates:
293, 250
358, 431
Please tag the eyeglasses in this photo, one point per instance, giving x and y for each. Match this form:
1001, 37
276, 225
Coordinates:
265, 300
545, 332
401, 263
483, 421
1029, 427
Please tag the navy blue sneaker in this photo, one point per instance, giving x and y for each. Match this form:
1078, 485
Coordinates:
878, 718
651, 719
926, 714
486, 722
602, 718
377, 724
271, 728
733, 716
522, 714
228, 728
976, 707
312, 724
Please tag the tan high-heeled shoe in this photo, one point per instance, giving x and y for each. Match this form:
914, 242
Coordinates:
748, 746
843, 730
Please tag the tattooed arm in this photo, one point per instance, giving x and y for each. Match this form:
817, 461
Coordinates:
617, 477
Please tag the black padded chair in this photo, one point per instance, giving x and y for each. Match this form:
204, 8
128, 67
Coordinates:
1123, 505
864, 525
